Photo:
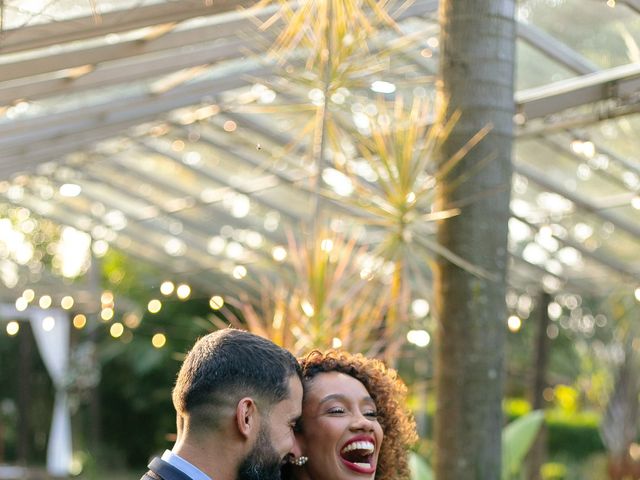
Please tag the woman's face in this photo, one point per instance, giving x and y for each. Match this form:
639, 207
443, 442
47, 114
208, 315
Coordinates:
340, 430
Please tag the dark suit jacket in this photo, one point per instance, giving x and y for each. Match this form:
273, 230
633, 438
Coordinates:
161, 470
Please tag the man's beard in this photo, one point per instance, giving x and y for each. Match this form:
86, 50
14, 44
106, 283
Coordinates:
262, 462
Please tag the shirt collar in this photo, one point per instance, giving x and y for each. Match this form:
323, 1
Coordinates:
181, 464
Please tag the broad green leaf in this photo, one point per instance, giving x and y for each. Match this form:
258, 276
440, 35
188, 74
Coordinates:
517, 439
420, 469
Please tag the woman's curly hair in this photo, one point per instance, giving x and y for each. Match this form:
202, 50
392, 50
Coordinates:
390, 396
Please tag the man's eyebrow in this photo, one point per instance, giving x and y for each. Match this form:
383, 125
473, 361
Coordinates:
295, 417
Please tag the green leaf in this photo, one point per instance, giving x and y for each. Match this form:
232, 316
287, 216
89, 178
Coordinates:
420, 469
517, 439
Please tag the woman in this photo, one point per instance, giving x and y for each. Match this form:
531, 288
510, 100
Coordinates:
354, 424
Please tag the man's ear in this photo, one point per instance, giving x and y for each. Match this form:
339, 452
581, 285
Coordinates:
247, 417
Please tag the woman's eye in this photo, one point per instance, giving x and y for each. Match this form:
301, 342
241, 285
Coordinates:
371, 414
336, 410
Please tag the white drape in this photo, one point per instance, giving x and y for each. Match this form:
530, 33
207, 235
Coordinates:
52, 338
51, 331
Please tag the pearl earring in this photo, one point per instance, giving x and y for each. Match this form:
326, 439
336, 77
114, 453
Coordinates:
300, 461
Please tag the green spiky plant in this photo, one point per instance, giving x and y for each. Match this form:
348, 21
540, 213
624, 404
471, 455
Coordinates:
331, 300
336, 38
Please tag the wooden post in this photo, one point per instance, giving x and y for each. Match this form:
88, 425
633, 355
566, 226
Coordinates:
24, 394
537, 454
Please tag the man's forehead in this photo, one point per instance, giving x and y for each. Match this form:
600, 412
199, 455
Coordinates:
291, 406
295, 390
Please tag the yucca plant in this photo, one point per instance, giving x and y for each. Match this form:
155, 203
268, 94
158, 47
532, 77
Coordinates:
327, 49
334, 298
337, 39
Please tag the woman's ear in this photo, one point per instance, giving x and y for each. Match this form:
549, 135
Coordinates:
247, 416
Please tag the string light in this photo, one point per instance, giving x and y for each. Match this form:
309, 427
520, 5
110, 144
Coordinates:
420, 307
29, 295
107, 314
132, 320
514, 323
21, 304
307, 308
167, 288
183, 291
79, 321
216, 302
326, 245
13, 328
154, 305
239, 272
48, 323
159, 340
66, 302
107, 299
420, 338
229, 126
279, 253
44, 302
116, 330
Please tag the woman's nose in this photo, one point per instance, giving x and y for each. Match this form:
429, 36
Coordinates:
360, 422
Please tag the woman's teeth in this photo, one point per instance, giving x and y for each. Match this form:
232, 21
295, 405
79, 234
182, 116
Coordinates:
367, 447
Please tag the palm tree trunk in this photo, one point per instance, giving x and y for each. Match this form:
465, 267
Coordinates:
477, 44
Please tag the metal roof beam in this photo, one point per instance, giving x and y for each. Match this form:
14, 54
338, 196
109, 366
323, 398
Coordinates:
221, 179
21, 69
75, 29
65, 215
139, 176
53, 33
137, 107
625, 162
580, 284
611, 263
542, 180
30, 157
617, 82
102, 121
242, 23
561, 147
250, 160
632, 4
114, 73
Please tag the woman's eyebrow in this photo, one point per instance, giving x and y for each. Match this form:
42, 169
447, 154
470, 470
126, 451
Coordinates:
341, 397
332, 396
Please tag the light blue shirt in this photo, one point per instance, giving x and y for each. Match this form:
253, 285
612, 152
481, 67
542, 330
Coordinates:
184, 466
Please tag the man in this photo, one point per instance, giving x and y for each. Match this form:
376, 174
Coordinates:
237, 399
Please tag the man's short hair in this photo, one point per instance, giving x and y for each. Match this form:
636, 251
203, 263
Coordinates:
227, 365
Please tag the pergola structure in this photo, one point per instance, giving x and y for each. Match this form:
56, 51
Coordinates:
144, 124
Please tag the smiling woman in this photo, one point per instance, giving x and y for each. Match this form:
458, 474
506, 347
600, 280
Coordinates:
354, 424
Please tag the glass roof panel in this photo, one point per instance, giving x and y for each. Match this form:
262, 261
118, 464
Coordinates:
184, 146
615, 41
19, 13
535, 69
